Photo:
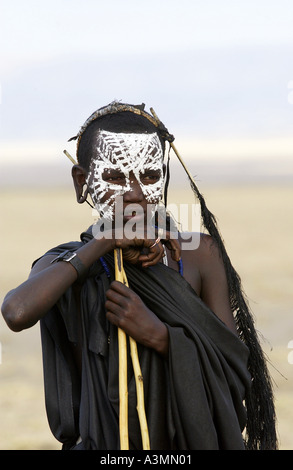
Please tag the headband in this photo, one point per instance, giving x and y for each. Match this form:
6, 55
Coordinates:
116, 107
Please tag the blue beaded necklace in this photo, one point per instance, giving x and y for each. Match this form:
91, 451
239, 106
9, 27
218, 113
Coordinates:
180, 264
105, 266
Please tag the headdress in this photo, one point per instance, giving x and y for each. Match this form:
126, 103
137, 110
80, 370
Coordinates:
117, 107
260, 429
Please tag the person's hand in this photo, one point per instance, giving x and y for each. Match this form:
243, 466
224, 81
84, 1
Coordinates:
126, 310
156, 250
149, 251
145, 250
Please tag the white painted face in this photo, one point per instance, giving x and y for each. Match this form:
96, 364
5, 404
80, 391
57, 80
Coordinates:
124, 153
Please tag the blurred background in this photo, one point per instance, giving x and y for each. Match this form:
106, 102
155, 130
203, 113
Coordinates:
220, 77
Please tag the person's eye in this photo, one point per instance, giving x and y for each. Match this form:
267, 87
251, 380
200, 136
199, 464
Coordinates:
113, 177
116, 178
150, 176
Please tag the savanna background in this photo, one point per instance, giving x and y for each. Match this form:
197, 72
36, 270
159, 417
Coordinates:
219, 76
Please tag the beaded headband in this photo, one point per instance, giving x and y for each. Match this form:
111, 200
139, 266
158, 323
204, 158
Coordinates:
116, 107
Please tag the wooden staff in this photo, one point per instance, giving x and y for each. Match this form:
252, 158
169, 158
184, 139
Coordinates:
123, 392
122, 346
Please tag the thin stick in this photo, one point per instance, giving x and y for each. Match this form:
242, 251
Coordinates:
123, 391
140, 395
175, 150
121, 276
182, 162
139, 388
122, 345
70, 157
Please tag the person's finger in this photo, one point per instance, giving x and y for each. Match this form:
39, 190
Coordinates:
155, 254
175, 249
113, 308
119, 287
115, 297
114, 319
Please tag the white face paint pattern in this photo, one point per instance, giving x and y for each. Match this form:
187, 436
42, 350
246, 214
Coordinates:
124, 152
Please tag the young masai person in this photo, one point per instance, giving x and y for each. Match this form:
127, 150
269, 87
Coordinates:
205, 379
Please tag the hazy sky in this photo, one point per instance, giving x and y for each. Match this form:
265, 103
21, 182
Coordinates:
34, 30
210, 68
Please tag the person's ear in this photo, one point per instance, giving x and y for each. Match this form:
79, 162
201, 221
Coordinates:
79, 180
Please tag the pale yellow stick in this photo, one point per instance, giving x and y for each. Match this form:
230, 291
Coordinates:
139, 388
123, 391
122, 346
140, 395
175, 150
70, 157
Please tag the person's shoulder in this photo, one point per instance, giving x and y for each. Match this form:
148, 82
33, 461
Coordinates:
197, 242
208, 245
200, 249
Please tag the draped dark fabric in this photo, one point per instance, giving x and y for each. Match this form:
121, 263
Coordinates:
193, 400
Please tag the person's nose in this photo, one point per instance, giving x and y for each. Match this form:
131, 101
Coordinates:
135, 194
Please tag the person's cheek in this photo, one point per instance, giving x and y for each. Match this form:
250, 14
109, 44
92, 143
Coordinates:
153, 192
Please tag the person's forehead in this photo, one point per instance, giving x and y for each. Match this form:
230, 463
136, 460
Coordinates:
128, 146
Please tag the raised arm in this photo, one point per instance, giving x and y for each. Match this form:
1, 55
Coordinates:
26, 304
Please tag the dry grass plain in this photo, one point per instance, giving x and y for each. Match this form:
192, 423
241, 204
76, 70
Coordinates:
257, 225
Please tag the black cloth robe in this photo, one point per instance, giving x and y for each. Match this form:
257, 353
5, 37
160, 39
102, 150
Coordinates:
193, 400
